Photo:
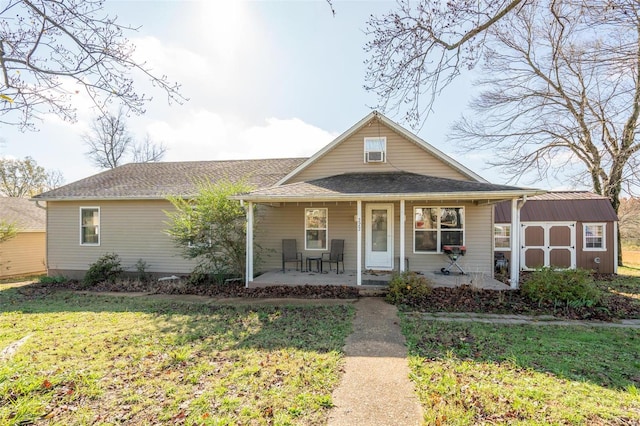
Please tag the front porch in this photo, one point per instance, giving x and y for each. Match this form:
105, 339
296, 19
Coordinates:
371, 279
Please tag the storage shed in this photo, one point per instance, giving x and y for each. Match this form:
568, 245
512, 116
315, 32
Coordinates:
565, 229
25, 254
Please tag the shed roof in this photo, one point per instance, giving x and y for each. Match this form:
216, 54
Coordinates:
382, 185
159, 180
24, 213
565, 206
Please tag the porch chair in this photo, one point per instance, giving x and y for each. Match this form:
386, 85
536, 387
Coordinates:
290, 253
335, 256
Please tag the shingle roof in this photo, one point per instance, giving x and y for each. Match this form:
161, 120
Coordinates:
158, 180
382, 184
24, 213
561, 206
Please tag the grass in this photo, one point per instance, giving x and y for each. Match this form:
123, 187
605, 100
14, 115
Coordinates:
469, 373
106, 360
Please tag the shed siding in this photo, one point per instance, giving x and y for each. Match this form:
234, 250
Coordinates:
402, 154
23, 255
132, 229
287, 221
585, 259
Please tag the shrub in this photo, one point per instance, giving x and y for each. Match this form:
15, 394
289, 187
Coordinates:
571, 287
407, 288
56, 279
141, 271
107, 268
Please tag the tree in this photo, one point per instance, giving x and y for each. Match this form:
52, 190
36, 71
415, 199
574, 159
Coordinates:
211, 228
561, 80
110, 143
7, 231
52, 50
25, 178
629, 221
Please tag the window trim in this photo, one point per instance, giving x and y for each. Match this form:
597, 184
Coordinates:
384, 149
326, 229
438, 228
98, 226
506, 226
604, 236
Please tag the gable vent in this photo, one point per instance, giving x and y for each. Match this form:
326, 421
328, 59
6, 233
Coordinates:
375, 156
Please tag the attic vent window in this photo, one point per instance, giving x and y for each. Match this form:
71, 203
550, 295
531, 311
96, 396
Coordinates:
375, 150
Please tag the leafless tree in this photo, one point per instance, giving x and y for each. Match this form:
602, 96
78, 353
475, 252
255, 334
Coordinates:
111, 144
629, 221
109, 141
561, 83
25, 178
51, 50
148, 151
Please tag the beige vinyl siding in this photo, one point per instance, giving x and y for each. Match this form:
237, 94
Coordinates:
287, 221
477, 236
402, 154
23, 255
132, 229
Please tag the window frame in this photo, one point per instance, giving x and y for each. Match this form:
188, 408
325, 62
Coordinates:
438, 229
383, 139
603, 237
325, 229
505, 226
82, 209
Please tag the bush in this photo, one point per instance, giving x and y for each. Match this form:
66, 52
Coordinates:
408, 288
56, 279
141, 271
572, 287
107, 268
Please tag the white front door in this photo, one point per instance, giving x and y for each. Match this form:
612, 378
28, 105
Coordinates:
379, 237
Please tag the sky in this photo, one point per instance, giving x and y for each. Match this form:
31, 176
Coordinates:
264, 79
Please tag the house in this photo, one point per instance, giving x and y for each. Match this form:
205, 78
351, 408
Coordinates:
23, 254
394, 199
565, 229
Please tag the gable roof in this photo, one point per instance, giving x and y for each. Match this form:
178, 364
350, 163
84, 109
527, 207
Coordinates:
380, 185
375, 115
153, 181
24, 213
561, 206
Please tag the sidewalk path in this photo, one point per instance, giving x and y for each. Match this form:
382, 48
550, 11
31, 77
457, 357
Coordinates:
375, 389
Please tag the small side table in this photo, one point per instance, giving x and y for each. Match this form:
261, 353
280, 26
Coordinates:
317, 260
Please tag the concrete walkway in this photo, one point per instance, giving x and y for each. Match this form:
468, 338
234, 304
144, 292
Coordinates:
375, 389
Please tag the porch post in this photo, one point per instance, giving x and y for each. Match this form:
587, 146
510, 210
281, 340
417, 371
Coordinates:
402, 224
359, 244
515, 244
249, 245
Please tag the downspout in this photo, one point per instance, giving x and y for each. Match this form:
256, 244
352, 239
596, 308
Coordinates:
516, 206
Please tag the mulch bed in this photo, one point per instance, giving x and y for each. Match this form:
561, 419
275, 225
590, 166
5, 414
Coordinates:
459, 299
468, 299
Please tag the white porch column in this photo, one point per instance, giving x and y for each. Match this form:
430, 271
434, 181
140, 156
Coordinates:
515, 244
249, 245
615, 247
359, 244
402, 224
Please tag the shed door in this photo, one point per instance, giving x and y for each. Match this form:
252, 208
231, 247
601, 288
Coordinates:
551, 244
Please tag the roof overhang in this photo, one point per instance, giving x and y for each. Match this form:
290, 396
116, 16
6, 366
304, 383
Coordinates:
489, 197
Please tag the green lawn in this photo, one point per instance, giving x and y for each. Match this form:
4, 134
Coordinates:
107, 360
469, 374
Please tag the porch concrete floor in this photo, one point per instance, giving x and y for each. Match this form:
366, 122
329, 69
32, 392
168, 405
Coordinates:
371, 279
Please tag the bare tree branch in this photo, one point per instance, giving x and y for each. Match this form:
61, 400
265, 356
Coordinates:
51, 50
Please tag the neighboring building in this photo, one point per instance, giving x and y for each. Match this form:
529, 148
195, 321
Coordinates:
385, 191
573, 229
25, 253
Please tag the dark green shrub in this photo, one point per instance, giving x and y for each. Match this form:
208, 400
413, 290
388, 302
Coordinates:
571, 287
407, 288
141, 271
56, 279
107, 268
